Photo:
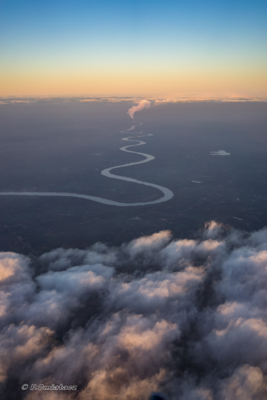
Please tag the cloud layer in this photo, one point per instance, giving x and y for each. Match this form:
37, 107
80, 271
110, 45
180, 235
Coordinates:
184, 317
153, 100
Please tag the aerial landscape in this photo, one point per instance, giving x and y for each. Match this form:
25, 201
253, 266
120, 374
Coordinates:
133, 200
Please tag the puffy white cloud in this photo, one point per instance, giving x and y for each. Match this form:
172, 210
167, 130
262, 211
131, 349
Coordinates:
212, 229
184, 317
244, 384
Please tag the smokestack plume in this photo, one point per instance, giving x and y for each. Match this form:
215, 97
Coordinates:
142, 104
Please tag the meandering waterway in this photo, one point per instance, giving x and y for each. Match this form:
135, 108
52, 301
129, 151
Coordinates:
167, 194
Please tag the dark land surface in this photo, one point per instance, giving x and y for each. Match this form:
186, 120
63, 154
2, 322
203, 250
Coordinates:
63, 146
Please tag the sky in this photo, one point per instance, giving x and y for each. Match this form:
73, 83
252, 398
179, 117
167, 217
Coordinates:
132, 48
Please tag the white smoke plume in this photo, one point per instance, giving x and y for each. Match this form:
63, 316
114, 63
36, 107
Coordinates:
184, 317
141, 105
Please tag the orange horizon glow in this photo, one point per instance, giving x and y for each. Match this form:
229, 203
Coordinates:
136, 84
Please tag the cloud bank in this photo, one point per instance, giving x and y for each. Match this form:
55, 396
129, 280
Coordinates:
153, 100
142, 104
184, 317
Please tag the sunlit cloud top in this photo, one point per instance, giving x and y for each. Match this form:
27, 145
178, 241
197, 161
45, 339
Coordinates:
144, 49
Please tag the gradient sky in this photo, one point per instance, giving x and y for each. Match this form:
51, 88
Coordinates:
127, 48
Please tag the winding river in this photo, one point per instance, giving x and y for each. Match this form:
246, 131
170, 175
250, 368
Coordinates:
167, 194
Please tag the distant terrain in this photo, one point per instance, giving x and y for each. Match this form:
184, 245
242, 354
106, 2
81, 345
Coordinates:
64, 146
